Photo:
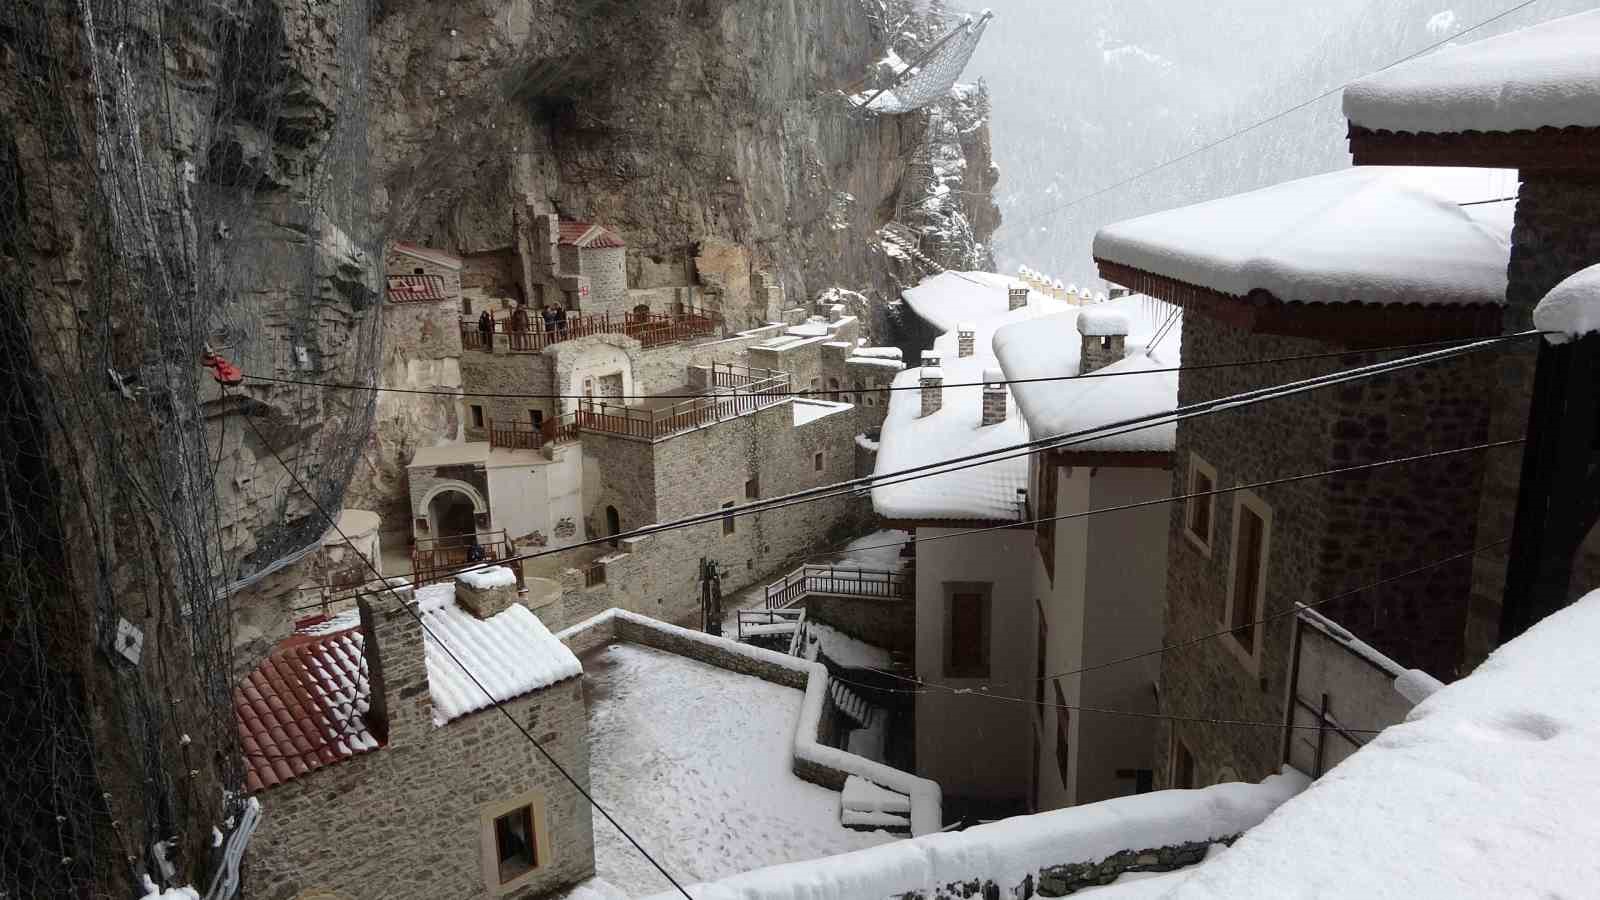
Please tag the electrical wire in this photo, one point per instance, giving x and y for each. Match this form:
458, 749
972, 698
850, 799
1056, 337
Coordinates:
1138, 176
1304, 357
471, 676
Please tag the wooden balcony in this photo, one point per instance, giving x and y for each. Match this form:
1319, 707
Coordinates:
649, 329
514, 435
748, 391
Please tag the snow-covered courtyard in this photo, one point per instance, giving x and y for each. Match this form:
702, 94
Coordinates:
695, 762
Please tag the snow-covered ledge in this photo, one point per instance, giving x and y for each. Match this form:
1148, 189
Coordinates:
1571, 309
813, 761
1003, 857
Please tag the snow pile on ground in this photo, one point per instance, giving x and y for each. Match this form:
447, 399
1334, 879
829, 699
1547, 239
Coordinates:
1544, 76
1486, 790
152, 892
1371, 234
1571, 309
1010, 850
878, 550
696, 761
511, 653
1050, 348
489, 578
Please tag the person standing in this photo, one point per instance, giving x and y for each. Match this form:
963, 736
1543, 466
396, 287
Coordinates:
561, 320
486, 330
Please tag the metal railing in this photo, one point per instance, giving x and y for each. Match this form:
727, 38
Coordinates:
649, 329
848, 582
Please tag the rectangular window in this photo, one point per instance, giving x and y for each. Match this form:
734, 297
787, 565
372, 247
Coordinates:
466, 306
816, 461
1199, 514
1039, 654
536, 416
1182, 764
514, 845
477, 416
752, 489
1063, 735
1045, 529
728, 525
967, 624
1252, 523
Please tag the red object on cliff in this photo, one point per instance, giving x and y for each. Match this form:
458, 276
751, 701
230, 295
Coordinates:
226, 373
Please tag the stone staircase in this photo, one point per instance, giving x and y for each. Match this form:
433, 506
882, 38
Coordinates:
904, 240
865, 806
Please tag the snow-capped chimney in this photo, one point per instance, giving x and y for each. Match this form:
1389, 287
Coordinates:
930, 359
486, 592
932, 380
1104, 333
994, 397
966, 334
1018, 297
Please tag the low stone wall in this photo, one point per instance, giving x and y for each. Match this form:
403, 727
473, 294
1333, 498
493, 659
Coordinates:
1059, 881
890, 624
812, 760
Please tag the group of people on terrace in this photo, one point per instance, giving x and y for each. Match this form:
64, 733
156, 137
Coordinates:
552, 317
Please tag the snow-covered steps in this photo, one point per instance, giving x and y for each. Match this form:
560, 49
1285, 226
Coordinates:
866, 806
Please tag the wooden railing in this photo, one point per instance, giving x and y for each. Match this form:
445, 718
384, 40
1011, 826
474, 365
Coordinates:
435, 559
514, 435
649, 329
844, 581
654, 424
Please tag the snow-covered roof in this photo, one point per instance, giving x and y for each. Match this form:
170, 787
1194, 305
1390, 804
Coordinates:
1572, 308
811, 410
909, 439
1547, 75
511, 653
1375, 234
1050, 347
949, 298
1485, 775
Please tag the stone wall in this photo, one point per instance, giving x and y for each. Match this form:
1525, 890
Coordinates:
1557, 233
607, 268
889, 624
404, 821
397, 263
1328, 535
505, 373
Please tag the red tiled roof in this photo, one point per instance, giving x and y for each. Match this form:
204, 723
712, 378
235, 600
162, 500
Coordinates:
587, 235
428, 253
413, 288
304, 708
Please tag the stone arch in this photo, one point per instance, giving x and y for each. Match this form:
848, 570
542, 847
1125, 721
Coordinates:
447, 516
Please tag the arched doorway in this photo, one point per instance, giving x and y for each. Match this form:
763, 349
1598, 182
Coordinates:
452, 514
613, 524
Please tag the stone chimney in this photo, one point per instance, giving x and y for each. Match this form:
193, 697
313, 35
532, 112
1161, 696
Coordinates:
486, 592
994, 397
932, 380
966, 334
402, 709
1017, 297
1104, 334
930, 359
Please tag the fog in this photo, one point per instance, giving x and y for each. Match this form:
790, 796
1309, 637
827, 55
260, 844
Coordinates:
1089, 93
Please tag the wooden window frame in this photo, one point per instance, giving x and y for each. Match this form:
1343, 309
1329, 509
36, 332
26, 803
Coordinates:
985, 591
752, 488
1203, 543
543, 857
1249, 656
730, 524
1045, 531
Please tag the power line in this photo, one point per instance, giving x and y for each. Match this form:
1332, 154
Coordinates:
1196, 367
1012, 451
1261, 122
462, 666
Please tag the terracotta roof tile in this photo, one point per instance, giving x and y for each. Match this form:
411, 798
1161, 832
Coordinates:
429, 254
416, 288
304, 708
587, 235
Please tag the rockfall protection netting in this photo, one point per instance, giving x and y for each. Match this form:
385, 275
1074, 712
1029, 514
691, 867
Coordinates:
174, 175
928, 80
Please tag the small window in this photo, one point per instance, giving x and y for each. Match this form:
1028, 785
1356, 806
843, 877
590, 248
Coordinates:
514, 846
477, 416
728, 521
967, 640
1199, 515
752, 489
816, 461
466, 306
872, 400
833, 389
417, 271
1063, 735
1182, 764
1247, 574
536, 416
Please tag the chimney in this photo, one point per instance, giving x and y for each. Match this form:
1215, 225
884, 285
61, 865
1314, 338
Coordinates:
966, 334
932, 380
1018, 297
994, 397
930, 358
397, 670
1104, 334
486, 592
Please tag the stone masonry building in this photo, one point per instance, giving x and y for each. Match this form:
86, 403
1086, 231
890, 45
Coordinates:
384, 772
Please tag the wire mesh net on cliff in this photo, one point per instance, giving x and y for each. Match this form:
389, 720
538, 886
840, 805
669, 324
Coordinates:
174, 177
931, 78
